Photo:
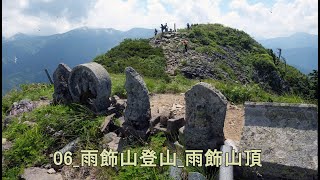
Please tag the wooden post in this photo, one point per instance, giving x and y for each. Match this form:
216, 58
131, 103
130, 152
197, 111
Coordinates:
174, 27
48, 75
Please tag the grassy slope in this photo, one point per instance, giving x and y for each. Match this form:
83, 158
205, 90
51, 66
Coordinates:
32, 145
252, 56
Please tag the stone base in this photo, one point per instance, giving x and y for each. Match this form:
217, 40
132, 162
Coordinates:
142, 134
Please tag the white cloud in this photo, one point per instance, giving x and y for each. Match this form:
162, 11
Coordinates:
259, 20
282, 19
15, 21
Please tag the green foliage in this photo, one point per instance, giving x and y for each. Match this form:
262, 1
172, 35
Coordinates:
29, 148
157, 144
148, 61
298, 82
235, 93
215, 38
117, 87
206, 34
32, 145
210, 39
263, 63
228, 70
178, 84
314, 88
29, 91
212, 48
238, 93
134, 48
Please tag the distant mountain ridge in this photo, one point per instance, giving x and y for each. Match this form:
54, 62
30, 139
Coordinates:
25, 57
299, 49
296, 40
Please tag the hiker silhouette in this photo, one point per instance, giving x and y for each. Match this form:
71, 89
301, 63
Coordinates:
155, 32
162, 28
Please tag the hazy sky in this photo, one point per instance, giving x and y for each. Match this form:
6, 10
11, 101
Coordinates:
269, 18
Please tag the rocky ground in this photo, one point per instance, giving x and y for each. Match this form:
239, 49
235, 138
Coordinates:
175, 102
194, 64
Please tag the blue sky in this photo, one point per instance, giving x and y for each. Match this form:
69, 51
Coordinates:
261, 19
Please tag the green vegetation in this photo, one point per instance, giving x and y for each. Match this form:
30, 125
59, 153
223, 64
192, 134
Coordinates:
138, 54
28, 91
314, 84
32, 145
254, 60
157, 144
234, 92
216, 38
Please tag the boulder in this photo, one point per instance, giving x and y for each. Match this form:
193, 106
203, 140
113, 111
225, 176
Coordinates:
112, 141
177, 145
154, 120
196, 176
181, 135
175, 172
6, 121
70, 146
114, 99
105, 126
6, 145
173, 125
40, 174
22, 106
51, 171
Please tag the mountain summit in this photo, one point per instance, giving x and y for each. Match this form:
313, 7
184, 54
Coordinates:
215, 52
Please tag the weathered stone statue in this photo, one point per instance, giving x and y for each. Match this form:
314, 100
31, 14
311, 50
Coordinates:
60, 79
137, 113
205, 114
90, 84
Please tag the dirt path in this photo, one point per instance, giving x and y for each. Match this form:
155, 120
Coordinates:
234, 117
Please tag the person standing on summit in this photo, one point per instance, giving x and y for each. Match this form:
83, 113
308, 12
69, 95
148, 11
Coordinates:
155, 32
162, 28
